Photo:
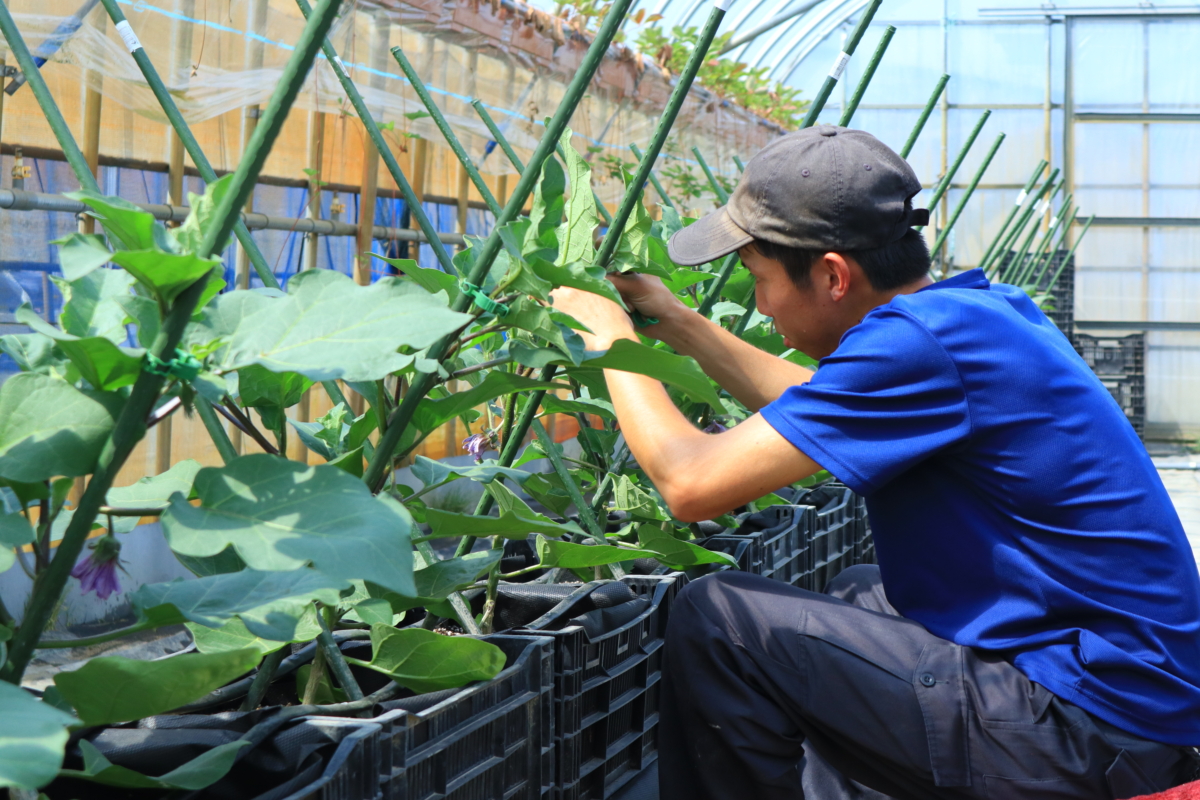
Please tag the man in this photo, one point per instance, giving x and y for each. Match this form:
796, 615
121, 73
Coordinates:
1039, 636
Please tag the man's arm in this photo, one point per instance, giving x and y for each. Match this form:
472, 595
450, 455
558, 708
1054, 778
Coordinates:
754, 377
699, 475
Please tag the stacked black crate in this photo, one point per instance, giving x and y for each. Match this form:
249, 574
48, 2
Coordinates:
1120, 364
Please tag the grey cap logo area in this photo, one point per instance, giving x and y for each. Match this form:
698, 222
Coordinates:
822, 187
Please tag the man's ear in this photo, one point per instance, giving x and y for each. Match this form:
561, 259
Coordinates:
833, 273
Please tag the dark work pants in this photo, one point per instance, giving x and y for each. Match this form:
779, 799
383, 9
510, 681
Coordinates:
777, 693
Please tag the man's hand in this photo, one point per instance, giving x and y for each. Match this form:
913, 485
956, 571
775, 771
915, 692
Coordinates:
607, 320
648, 295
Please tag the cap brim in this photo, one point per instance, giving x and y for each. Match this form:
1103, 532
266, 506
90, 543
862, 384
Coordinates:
707, 239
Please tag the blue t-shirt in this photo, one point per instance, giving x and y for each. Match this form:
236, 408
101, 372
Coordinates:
1013, 507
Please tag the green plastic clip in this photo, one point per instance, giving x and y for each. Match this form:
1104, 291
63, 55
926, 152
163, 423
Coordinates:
482, 300
641, 320
183, 366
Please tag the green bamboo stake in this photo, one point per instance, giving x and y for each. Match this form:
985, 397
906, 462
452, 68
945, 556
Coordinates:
585, 511
1048, 258
1029, 264
436, 113
962, 203
385, 153
944, 185
498, 135
163, 95
1022, 251
41, 93
865, 81
839, 65
998, 253
925, 112
216, 431
377, 468
1012, 212
682, 85
737, 161
1058, 273
718, 189
658, 187
131, 424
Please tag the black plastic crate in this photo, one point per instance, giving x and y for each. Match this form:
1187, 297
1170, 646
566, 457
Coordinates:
606, 692
352, 772
1120, 364
491, 741
1063, 289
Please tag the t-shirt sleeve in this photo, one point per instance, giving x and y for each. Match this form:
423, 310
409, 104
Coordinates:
889, 397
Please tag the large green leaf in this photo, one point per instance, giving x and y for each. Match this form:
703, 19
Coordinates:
507, 525
203, 770
32, 738
100, 362
546, 213
575, 242
628, 496
327, 436
681, 372
633, 249
677, 553
165, 274
190, 234
271, 393
270, 604
116, 689
438, 580
33, 352
128, 226
552, 553
80, 253
234, 635
431, 472
424, 661
330, 327
280, 515
578, 275
92, 305
49, 428
552, 404
432, 413
15, 531
431, 280
155, 491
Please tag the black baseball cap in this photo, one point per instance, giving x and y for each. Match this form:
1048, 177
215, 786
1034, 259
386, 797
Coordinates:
821, 187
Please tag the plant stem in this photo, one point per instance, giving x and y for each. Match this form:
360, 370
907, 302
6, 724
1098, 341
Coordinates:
962, 203
262, 678
163, 95
683, 84
1012, 212
235, 415
863, 82
62, 644
119, 511
495, 362
818, 103
380, 462
163, 411
315, 673
718, 284
216, 430
335, 393
493, 585
584, 510
385, 152
131, 423
334, 658
658, 187
925, 112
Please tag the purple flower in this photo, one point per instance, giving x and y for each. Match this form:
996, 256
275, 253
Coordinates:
479, 443
98, 572
715, 427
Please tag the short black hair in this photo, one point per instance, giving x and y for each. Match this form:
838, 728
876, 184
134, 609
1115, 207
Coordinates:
889, 267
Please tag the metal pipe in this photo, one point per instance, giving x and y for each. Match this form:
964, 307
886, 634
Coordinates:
385, 152
21, 200
682, 85
962, 203
835, 72
1012, 212
184, 132
658, 187
868, 74
925, 112
944, 185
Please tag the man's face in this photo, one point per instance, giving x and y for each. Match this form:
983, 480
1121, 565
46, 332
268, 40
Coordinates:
810, 319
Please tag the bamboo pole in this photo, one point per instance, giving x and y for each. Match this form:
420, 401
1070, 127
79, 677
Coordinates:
997, 255
316, 162
130, 424
369, 185
1066, 260
944, 185
1013, 270
868, 74
658, 187
839, 64
718, 189
92, 104
256, 23
1012, 212
1029, 265
378, 467
1048, 258
962, 203
925, 112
